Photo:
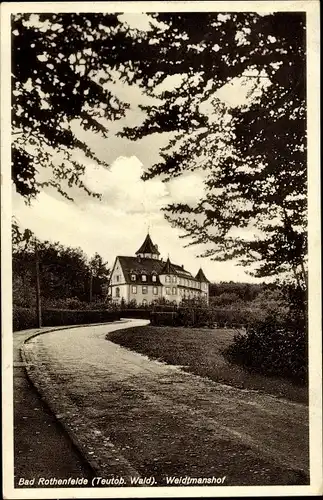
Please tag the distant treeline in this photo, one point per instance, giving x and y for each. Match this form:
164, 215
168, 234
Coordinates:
66, 276
230, 294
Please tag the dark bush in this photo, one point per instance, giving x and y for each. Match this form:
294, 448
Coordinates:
23, 318
273, 347
26, 318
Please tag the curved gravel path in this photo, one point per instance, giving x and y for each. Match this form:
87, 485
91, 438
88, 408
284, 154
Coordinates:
134, 417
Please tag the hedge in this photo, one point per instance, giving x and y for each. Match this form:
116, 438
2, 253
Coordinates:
135, 313
24, 318
203, 316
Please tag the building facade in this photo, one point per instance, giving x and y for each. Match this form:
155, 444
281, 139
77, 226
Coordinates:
146, 278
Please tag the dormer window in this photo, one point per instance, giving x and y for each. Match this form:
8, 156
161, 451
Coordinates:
143, 277
154, 278
133, 277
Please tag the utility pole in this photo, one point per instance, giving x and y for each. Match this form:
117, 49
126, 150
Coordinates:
38, 298
91, 285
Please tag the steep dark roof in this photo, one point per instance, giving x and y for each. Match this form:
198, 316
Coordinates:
201, 276
168, 268
138, 265
148, 246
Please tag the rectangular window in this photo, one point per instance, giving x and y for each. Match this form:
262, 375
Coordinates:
174, 290
167, 279
144, 289
134, 289
133, 277
167, 290
144, 277
154, 277
174, 279
118, 277
155, 290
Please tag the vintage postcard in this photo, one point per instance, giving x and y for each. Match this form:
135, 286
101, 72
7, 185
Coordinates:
161, 279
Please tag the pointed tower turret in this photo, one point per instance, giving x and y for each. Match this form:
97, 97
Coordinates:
203, 284
148, 250
168, 268
201, 276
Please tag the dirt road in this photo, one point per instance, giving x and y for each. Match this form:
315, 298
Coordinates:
136, 417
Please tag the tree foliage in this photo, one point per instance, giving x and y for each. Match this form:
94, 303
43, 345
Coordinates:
253, 155
60, 63
65, 272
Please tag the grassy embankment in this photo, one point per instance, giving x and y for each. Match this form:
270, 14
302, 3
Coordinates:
198, 351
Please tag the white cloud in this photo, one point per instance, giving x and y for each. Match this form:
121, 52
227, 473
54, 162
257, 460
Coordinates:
122, 187
187, 188
118, 224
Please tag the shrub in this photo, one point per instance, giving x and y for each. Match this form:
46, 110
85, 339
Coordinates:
274, 347
23, 318
73, 303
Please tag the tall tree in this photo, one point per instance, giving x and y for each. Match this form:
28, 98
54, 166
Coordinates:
99, 274
253, 155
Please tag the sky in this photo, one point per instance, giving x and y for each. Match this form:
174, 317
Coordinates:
118, 223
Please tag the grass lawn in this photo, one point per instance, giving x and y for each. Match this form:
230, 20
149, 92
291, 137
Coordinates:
198, 351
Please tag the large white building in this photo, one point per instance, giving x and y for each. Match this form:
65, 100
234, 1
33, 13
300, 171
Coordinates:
147, 278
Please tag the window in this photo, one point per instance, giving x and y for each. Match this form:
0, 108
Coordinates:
167, 290
174, 279
143, 277
133, 277
167, 279
155, 290
154, 277
144, 289
118, 277
134, 289
174, 290
117, 292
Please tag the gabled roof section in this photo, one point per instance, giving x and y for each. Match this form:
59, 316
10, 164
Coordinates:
148, 247
168, 268
139, 266
201, 276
